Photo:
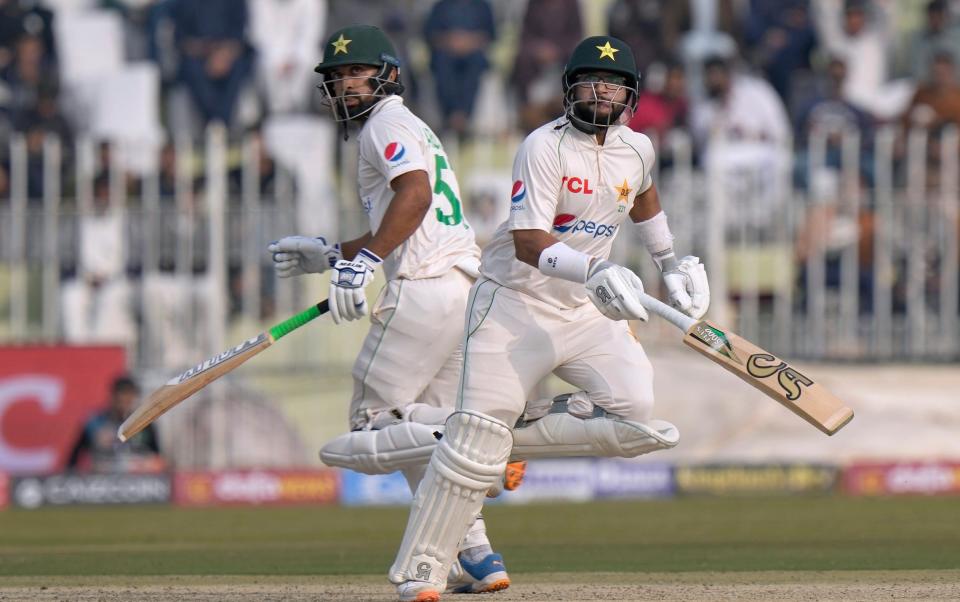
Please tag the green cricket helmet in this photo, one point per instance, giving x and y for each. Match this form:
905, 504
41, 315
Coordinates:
604, 65
358, 45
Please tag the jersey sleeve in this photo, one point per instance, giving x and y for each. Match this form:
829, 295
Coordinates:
536, 185
648, 156
392, 149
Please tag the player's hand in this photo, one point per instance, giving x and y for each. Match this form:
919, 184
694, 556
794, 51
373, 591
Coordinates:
295, 255
348, 283
615, 291
687, 287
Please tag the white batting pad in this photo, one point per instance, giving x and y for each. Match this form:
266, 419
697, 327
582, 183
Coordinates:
395, 447
563, 435
468, 460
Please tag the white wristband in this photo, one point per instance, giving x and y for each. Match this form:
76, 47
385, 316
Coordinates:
560, 261
656, 237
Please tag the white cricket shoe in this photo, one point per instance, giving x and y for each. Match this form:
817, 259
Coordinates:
418, 591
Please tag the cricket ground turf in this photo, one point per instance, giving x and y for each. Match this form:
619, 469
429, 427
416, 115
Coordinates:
799, 548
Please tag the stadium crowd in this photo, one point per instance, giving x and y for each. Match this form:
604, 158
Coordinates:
762, 74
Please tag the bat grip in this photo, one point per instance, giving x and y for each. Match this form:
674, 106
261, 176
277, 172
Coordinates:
677, 318
295, 322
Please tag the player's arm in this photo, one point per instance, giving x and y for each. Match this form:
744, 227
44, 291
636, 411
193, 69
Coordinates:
410, 203
685, 279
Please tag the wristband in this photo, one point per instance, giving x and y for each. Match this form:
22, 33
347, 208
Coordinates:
656, 237
560, 261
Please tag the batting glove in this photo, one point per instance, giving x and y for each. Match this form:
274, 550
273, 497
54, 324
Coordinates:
615, 291
295, 255
687, 287
348, 283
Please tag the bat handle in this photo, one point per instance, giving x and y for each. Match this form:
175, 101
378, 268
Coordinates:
675, 317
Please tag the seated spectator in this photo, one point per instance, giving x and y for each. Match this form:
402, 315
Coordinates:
741, 130
550, 30
459, 33
938, 35
284, 62
936, 102
98, 449
31, 70
650, 27
215, 60
97, 303
780, 37
833, 116
663, 104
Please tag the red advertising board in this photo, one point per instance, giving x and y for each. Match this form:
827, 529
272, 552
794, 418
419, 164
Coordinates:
924, 478
46, 394
256, 487
4, 490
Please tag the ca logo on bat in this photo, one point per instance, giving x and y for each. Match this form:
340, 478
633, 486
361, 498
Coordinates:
763, 365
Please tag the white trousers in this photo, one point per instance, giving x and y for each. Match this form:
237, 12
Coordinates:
411, 353
512, 341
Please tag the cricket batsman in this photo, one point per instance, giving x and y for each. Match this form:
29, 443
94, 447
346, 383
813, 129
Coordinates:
549, 301
406, 375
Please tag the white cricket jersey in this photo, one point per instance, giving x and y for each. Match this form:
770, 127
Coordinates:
566, 184
393, 142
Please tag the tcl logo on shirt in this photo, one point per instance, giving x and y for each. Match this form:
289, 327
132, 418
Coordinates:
576, 185
566, 222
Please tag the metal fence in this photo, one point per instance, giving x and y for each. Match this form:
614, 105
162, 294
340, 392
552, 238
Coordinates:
845, 248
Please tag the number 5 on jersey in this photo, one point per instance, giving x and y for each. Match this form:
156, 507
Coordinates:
443, 188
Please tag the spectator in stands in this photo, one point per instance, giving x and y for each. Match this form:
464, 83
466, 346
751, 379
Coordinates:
399, 19
739, 107
780, 37
650, 27
863, 44
936, 102
97, 303
741, 130
284, 61
831, 114
459, 33
215, 60
98, 449
30, 70
44, 119
663, 105
550, 30
938, 35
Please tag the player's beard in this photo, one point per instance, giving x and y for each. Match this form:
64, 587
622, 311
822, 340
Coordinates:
589, 110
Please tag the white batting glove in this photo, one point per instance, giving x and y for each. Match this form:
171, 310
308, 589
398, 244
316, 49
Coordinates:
295, 255
348, 283
615, 291
687, 287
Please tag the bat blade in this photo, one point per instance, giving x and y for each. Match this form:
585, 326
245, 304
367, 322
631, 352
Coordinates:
182, 386
771, 375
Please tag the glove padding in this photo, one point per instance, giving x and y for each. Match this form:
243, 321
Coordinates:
615, 291
687, 287
295, 255
348, 283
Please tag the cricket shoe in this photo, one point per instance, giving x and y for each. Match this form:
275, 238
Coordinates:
486, 576
511, 479
418, 591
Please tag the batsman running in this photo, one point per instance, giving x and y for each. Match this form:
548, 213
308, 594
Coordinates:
406, 374
549, 300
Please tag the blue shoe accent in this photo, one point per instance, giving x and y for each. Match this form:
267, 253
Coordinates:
488, 575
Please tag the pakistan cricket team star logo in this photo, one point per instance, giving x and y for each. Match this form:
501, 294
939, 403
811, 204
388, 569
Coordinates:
340, 45
607, 51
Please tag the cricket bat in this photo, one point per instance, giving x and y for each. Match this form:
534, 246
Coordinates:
793, 389
184, 385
